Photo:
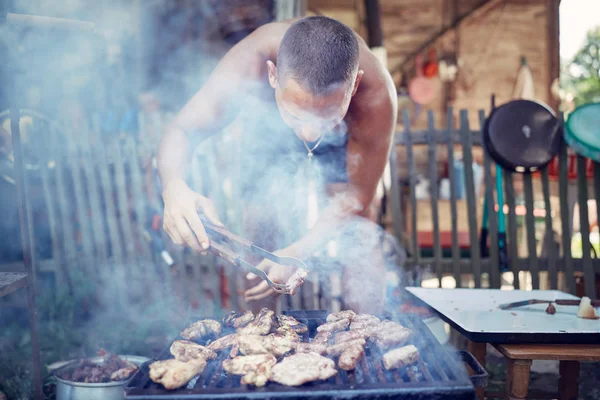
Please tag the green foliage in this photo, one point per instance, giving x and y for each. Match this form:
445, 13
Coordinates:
581, 77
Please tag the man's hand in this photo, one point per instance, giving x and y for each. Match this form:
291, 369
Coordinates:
277, 273
181, 220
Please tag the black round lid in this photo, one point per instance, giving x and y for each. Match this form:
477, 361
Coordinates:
523, 135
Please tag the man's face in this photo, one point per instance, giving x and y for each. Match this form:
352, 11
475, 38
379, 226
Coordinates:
311, 116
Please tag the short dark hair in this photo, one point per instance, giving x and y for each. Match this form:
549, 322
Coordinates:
318, 52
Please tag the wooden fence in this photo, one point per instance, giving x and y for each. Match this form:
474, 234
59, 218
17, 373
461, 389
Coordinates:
101, 198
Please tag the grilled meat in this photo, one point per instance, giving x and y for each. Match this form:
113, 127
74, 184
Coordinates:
313, 347
337, 349
255, 369
238, 320
391, 335
301, 368
364, 321
270, 344
123, 373
292, 323
347, 314
88, 371
296, 280
261, 324
350, 357
201, 329
334, 326
184, 350
400, 357
322, 337
289, 334
173, 374
224, 342
346, 336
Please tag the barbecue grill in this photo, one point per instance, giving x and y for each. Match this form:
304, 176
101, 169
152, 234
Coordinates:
438, 375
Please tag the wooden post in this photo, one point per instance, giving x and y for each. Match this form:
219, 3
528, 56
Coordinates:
517, 379
553, 48
479, 352
568, 385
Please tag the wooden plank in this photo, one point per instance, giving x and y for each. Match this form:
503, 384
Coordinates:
576, 352
589, 275
565, 218
492, 216
394, 191
453, 212
122, 200
552, 253
433, 195
89, 162
467, 143
530, 224
11, 282
412, 184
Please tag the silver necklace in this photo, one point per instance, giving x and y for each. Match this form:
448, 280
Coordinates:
310, 151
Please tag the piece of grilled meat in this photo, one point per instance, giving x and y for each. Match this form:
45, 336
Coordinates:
173, 374
322, 337
286, 321
202, 329
270, 344
238, 320
301, 368
319, 348
364, 321
400, 357
185, 350
346, 336
225, 342
255, 369
261, 325
334, 326
337, 349
296, 280
123, 373
350, 357
391, 334
289, 334
346, 314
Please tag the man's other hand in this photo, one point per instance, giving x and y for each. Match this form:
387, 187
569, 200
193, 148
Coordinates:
181, 216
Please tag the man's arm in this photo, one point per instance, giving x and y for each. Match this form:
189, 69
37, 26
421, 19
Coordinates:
212, 108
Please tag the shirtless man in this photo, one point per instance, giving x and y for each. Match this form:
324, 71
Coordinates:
332, 98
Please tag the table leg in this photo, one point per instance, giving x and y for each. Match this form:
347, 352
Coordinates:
568, 385
517, 379
478, 350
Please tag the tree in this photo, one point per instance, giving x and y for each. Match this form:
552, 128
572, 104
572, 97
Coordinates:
581, 77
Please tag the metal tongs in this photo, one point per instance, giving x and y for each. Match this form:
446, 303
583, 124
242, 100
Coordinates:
217, 234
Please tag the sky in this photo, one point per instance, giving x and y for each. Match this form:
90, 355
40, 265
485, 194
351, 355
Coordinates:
576, 18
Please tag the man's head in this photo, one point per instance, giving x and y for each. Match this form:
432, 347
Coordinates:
316, 75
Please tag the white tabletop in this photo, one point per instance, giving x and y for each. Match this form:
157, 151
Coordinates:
475, 312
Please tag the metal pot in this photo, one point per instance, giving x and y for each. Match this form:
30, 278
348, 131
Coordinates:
67, 390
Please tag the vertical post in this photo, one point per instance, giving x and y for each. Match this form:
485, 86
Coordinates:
513, 251
553, 48
584, 228
433, 194
26, 241
412, 179
563, 190
454, 214
530, 223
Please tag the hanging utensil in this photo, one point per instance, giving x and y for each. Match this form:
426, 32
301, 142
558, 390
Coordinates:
582, 131
522, 135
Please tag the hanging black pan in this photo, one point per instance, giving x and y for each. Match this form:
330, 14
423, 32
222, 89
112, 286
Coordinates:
522, 135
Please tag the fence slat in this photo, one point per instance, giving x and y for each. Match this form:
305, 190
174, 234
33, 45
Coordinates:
552, 253
513, 251
412, 183
492, 216
123, 201
433, 195
530, 224
584, 228
467, 142
565, 218
394, 191
456, 272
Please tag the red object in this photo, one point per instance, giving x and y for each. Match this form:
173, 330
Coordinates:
431, 66
553, 169
425, 239
155, 222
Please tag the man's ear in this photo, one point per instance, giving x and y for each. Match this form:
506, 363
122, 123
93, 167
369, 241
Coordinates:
357, 81
272, 74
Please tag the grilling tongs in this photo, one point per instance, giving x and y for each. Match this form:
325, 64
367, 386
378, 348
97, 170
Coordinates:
217, 234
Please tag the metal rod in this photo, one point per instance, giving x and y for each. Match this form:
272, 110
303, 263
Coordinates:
36, 21
26, 241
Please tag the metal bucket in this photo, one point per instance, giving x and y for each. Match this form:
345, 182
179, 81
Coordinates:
67, 390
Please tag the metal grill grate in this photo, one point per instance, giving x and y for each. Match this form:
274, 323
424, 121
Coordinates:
436, 374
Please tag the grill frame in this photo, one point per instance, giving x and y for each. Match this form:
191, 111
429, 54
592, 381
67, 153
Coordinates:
438, 375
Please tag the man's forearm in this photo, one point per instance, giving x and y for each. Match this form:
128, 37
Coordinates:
174, 155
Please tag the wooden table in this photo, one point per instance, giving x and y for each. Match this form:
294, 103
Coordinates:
521, 334
521, 356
